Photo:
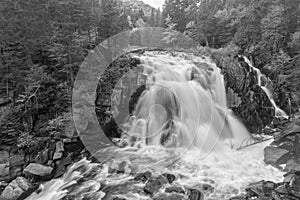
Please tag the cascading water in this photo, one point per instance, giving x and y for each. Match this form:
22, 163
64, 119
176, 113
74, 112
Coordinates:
184, 105
182, 112
278, 112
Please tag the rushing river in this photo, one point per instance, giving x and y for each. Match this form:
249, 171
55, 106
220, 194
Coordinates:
181, 125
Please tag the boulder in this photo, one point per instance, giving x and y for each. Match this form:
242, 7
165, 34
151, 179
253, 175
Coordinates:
15, 189
195, 194
153, 185
170, 177
143, 176
273, 154
34, 169
175, 189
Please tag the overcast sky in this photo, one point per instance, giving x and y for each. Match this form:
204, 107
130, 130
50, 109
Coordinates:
155, 3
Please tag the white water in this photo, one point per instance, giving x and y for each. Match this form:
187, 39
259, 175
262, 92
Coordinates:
182, 113
279, 113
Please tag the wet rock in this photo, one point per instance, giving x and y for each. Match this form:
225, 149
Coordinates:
175, 189
34, 169
172, 196
273, 154
153, 185
170, 177
261, 189
144, 177
15, 189
194, 194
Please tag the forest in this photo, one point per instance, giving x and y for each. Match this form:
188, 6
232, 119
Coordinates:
43, 44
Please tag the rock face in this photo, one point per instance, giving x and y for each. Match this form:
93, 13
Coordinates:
15, 189
34, 169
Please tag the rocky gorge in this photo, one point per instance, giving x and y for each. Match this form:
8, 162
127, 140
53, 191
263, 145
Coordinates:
22, 170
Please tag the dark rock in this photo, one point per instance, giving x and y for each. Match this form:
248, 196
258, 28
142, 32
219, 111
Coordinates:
34, 169
143, 176
74, 146
61, 166
170, 177
175, 189
118, 198
282, 189
153, 185
261, 189
195, 194
15, 189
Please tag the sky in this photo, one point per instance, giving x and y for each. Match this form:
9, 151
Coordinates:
155, 3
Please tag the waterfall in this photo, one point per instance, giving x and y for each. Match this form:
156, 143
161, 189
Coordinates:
181, 112
279, 113
184, 104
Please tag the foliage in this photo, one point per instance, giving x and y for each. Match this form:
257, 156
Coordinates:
265, 30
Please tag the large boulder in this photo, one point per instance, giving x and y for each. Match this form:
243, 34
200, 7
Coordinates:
15, 189
34, 169
273, 154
